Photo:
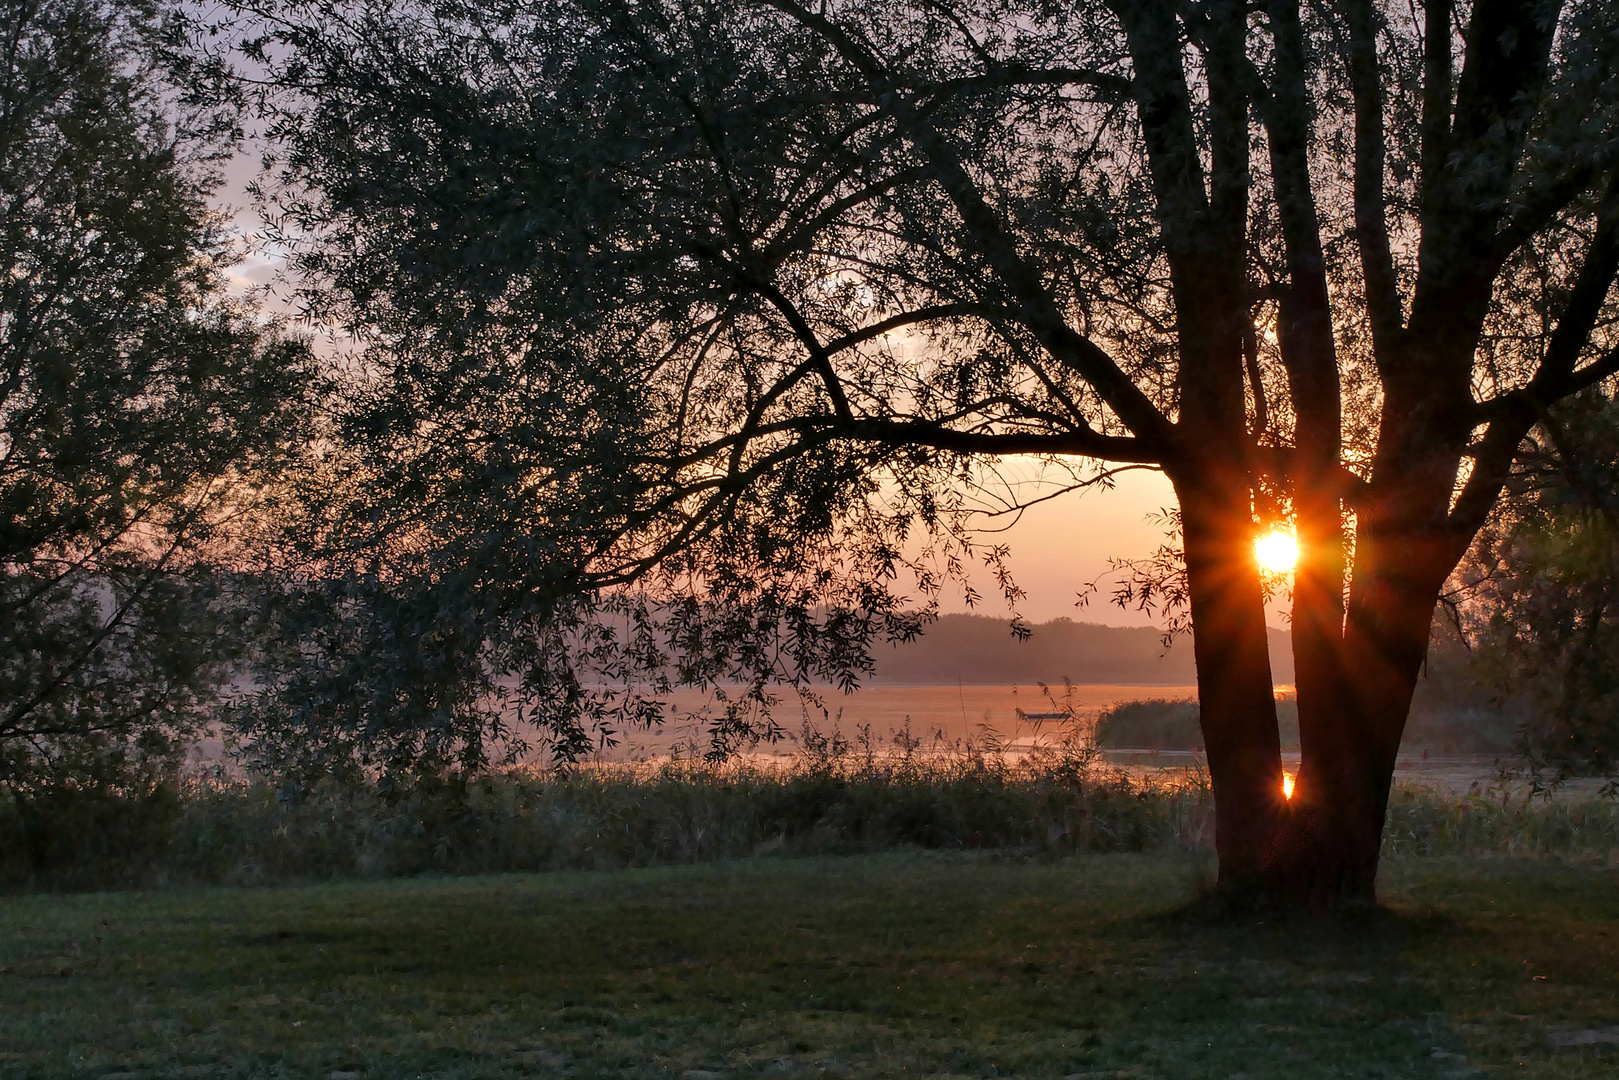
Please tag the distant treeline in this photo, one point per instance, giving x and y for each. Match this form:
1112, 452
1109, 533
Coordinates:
981, 650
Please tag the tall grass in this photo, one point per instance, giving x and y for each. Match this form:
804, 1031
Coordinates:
833, 796
1506, 819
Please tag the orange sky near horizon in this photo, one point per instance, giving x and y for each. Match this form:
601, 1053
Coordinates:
1060, 546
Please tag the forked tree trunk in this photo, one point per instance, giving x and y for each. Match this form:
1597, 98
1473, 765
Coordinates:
1356, 672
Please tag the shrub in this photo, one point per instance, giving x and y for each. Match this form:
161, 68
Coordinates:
1155, 724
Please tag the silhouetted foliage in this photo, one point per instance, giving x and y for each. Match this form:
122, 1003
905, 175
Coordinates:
1541, 592
136, 400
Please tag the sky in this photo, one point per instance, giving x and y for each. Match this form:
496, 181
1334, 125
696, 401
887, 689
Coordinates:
1061, 545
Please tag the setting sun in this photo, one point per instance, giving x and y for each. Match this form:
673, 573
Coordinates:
1276, 552
1287, 785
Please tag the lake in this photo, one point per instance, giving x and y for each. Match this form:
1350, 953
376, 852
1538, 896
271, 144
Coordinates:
943, 713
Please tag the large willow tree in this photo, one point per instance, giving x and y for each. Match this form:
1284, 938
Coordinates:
644, 280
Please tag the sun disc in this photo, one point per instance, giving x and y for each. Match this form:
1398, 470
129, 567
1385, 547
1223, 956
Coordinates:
1277, 552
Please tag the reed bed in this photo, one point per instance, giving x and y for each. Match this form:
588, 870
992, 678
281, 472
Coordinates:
832, 797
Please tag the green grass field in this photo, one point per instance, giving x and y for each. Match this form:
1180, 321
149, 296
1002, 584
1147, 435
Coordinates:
887, 965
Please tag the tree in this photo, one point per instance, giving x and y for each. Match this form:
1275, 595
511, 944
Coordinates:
1539, 593
818, 263
136, 397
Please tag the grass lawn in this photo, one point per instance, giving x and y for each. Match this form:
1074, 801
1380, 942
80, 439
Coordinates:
891, 965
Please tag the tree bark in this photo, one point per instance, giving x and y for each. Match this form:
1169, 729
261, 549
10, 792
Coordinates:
1360, 691
1233, 674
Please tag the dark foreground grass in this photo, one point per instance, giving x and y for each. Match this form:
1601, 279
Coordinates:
880, 965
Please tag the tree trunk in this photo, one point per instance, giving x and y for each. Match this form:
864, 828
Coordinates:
1353, 703
1233, 675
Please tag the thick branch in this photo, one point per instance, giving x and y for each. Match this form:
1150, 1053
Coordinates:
1228, 66
1556, 377
1256, 380
1508, 50
1163, 102
1508, 44
1542, 393
1309, 351
719, 493
819, 357
1080, 439
1022, 281
1371, 215
1437, 74
1514, 413
1084, 443
1202, 231
1539, 207
911, 318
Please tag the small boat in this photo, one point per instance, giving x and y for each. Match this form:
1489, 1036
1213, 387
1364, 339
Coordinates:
1064, 715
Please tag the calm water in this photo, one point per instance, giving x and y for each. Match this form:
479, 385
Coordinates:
945, 713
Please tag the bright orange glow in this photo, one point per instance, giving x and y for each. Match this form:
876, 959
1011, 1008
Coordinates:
1287, 785
1276, 551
